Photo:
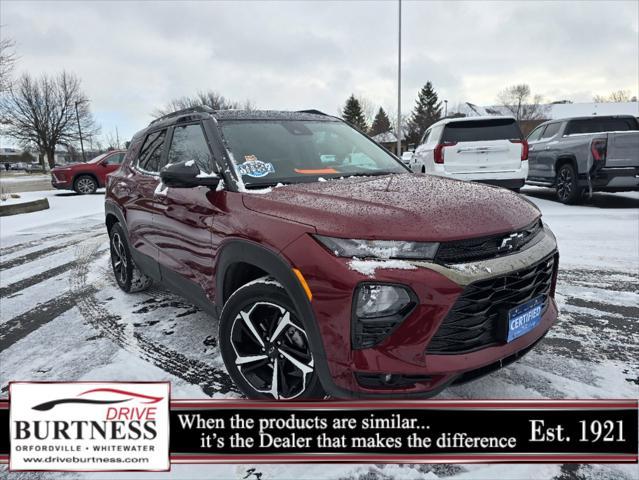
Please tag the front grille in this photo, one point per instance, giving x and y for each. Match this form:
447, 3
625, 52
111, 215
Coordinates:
483, 248
478, 318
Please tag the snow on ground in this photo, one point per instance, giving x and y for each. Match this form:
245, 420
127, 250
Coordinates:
64, 207
24, 178
64, 318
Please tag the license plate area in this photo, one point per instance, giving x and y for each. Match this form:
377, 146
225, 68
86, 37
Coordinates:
524, 318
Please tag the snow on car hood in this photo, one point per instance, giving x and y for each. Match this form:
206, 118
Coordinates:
398, 207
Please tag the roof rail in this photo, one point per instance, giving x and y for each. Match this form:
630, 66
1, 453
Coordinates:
316, 112
198, 109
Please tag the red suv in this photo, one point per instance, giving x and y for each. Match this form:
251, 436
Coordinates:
332, 268
87, 177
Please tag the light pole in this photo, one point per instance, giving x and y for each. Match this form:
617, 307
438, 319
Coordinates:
399, 79
77, 116
445, 108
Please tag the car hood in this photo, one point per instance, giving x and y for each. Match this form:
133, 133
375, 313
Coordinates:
398, 207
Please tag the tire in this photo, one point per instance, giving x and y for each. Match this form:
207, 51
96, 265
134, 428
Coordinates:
127, 274
423, 168
566, 186
85, 185
261, 339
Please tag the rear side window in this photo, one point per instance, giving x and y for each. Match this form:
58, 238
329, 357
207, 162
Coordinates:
601, 124
115, 159
482, 130
151, 153
551, 130
536, 133
188, 143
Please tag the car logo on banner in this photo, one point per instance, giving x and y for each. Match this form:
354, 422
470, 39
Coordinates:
89, 426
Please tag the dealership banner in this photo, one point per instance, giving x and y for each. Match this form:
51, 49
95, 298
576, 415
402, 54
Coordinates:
136, 426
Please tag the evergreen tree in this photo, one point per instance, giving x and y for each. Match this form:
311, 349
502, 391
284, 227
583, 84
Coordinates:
427, 111
381, 124
353, 114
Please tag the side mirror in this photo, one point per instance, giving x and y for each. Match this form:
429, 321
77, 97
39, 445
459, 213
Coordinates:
187, 175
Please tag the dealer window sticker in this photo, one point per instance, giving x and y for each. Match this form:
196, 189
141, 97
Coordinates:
255, 168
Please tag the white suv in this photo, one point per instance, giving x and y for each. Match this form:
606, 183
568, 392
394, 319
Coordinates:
483, 149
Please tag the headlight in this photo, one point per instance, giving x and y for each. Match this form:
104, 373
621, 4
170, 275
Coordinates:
343, 247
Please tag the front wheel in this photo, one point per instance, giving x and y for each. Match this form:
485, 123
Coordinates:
264, 344
85, 185
566, 185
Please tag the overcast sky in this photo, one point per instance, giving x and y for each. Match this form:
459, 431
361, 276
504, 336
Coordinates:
134, 56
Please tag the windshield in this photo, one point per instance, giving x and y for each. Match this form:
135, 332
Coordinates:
98, 158
268, 152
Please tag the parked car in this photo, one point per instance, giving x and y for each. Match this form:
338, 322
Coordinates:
483, 149
87, 177
585, 154
407, 157
329, 276
34, 168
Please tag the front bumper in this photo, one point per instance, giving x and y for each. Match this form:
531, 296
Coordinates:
404, 351
61, 181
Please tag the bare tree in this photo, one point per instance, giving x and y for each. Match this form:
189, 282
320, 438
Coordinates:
617, 96
8, 60
210, 98
44, 112
518, 100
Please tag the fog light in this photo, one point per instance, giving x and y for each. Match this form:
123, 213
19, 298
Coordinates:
374, 301
378, 310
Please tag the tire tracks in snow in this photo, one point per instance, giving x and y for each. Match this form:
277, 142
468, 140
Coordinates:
211, 380
32, 256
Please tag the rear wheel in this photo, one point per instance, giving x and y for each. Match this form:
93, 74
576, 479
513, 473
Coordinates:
85, 185
127, 274
566, 186
265, 346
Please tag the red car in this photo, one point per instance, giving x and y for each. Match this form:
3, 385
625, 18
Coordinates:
332, 268
87, 177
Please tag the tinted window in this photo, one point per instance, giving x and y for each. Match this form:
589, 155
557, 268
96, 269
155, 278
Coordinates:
551, 130
482, 130
151, 153
536, 133
267, 152
601, 124
188, 143
115, 159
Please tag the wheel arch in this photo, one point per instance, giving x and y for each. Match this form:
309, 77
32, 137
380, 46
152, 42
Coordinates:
114, 215
564, 159
248, 253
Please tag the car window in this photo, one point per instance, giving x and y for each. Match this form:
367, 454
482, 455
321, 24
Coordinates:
551, 130
151, 153
189, 143
435, 133
601, 124
536, 133
482, 130
115, 159
425, 137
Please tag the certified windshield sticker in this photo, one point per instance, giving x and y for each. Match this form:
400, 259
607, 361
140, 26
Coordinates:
255, 168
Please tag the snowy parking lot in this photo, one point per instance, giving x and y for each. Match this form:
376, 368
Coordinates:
64, 318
